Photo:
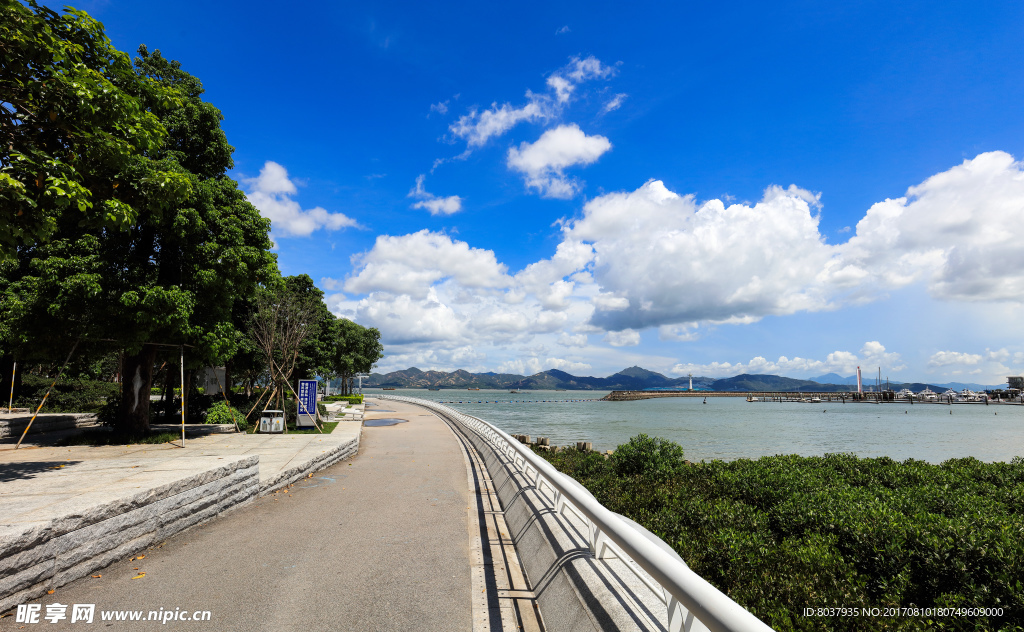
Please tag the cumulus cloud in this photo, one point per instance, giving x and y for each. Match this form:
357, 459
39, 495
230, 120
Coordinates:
441, 107
572, 340
872, 354
543, 162
624, 338
669, 260
531, 366
563, 30
946, 358
272, 193
436, 205
651, 257
951, 231
411, 264
477, 127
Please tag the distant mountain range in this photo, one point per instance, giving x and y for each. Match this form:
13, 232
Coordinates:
632, 379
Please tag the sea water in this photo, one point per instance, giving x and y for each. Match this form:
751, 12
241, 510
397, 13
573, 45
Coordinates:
731, 428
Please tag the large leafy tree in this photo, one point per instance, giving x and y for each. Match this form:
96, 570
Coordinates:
70, 123
355, 350
174, 275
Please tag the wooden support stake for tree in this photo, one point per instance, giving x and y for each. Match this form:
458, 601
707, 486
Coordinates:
274, 366
10, 402
60, 373
183, 397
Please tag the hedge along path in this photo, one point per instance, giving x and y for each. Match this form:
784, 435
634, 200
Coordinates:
59, 373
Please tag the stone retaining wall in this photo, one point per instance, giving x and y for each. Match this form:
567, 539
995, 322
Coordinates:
13, 426
67, 548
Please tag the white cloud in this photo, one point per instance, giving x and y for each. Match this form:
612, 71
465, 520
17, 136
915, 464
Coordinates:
411, 264
563, 87
532, 366
562, 31
271, 192
436, 205
615, 103
441, 108
946, 358
544, 161
676, 262
624, 338
476, 128
654, 258
585, 69
685, 332
953, 231
872, 354
572, 340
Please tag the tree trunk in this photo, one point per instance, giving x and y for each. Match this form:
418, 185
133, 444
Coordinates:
168, 406
133, 413
186, 392
228, 383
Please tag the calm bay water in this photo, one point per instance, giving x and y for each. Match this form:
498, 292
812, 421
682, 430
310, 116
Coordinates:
731, 428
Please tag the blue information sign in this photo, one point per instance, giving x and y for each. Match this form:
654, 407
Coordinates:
307, 397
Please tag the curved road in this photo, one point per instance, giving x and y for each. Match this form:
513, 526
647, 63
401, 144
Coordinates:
379, 542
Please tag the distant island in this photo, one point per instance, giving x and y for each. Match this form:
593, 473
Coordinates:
634, 379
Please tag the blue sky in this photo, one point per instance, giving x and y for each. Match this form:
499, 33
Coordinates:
791, 188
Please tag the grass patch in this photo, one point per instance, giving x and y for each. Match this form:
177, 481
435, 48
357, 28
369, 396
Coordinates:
99, 437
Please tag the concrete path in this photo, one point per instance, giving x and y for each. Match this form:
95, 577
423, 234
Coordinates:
379, 542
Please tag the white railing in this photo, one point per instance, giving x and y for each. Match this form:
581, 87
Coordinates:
692, 603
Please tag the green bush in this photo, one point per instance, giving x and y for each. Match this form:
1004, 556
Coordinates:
221, 413
352, 399
781, 533
653, 457
67, 396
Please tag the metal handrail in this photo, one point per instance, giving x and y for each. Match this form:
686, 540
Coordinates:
706, 603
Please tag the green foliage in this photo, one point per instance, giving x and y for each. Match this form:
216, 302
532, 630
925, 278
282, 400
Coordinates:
351, 399
786, 532
221, 413
68, 396
652, 457
71, 121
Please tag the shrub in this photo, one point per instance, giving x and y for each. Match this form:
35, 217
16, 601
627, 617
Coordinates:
780, 533
221, 413
651, 457
352, 399
67, 396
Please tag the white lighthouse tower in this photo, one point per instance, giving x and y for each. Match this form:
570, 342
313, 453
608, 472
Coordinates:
860, 389
691, 381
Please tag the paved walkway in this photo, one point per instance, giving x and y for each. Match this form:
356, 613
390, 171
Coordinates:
379, 542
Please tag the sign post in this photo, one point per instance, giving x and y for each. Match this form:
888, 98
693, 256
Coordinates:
307, 403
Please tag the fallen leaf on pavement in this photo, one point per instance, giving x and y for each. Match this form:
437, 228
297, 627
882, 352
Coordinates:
141, 556
139, 575
97, 576
49, 592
